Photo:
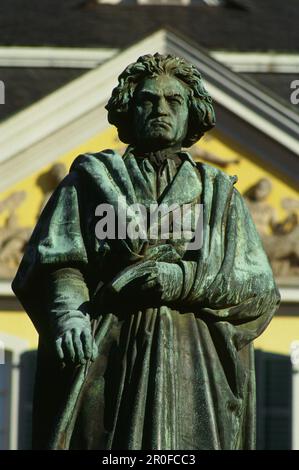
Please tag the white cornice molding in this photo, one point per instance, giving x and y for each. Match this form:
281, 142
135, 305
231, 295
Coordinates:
258, 62
61, 57
89, 58
5, 289
289, 294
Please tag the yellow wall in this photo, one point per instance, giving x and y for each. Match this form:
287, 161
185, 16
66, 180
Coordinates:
278, 336
18, 324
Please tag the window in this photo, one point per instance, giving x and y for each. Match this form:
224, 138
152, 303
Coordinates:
9, 390
5, 400
273, 401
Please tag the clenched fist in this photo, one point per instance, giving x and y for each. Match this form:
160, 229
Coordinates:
148, 283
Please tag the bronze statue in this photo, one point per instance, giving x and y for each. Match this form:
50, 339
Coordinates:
154, 334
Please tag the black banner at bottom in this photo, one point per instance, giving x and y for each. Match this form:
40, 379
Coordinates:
134, 459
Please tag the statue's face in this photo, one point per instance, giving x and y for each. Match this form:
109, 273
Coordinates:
161, 113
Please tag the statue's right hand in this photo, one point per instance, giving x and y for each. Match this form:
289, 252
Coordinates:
76, 345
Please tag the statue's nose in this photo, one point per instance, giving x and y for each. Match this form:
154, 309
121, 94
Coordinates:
161, 107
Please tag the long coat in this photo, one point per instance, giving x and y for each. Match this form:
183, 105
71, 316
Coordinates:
175, 376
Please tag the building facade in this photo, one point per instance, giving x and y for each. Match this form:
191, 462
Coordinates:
54, 110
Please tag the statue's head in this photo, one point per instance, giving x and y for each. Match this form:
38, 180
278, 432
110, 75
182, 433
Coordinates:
160, 102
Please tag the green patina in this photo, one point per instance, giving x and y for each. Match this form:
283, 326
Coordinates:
147, 344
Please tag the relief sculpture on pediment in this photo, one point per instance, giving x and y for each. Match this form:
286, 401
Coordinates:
13, 235
280, 237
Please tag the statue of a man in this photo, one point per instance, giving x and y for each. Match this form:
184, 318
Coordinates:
154, 335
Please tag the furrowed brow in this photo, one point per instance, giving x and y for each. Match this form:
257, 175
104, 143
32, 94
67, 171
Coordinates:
151, 94
174, 95
148, 93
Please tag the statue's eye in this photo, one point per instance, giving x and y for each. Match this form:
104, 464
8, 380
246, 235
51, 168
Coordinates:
174, 100
146, 102
145, 99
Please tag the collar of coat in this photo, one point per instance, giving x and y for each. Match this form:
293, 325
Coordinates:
117, 177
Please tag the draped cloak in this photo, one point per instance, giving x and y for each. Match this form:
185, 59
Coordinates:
172, 377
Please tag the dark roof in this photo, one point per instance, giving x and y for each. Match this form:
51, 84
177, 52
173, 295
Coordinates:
266, 25
24, 86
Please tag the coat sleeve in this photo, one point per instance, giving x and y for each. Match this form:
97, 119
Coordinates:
57, 242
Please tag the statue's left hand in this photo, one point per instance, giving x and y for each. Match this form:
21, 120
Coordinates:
150, 280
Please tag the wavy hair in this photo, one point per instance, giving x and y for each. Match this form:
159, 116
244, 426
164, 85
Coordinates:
120, 105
